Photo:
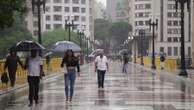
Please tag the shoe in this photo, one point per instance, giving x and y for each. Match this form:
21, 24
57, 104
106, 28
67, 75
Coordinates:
30, 104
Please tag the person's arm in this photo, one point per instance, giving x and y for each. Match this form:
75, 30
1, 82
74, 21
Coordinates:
62, 63
78, 68
6, 64
19, 61
26, 63
95, 64
41, 69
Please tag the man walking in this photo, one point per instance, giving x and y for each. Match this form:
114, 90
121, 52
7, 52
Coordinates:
35, 72
125, 63
11, 64
101, 66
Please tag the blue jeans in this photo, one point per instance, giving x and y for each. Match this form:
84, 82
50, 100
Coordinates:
69, 82
101, 75
125, 67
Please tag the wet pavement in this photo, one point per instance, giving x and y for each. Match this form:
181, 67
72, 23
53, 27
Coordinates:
140, 89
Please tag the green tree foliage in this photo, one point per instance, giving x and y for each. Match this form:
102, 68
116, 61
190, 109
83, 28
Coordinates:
119, 31
7, 10
14, 34
51, 37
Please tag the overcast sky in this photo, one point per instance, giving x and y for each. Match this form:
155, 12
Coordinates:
103, 1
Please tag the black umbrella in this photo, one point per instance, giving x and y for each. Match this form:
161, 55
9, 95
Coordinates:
27, 46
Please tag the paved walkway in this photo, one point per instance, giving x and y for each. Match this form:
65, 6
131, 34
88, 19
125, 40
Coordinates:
138, 90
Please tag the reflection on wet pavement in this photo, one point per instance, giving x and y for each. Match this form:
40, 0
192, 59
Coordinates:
138, 90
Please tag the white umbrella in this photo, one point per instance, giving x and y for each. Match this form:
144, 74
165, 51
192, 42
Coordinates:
62, 46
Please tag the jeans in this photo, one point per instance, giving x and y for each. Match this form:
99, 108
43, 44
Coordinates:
125, 67
70, 82
12, 76
33, 82
101, 75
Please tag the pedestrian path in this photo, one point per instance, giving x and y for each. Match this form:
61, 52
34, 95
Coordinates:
140, 89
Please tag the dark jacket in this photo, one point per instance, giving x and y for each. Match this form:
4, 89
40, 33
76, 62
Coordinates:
12, 62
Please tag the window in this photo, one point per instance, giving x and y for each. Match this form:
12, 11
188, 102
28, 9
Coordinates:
175, 51
147, 6
76, 1
57, 18
76, 9
57, 26
35, 23
57, 1
141, 23
48, 17
67, 1
48, 26
47, 9
169, 39
83, 10
175, 39
76, 18
162, 49
83, 18
169, 51
57, 8
83, 1
67, 9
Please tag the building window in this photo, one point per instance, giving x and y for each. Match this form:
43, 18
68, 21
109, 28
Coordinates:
35, 23
83, 10
162, 49
47, 9
169, 51
83, 1
147, 6
57, 1
76, 9
57, 8
76, 18
48, 26
169, 39
67, 1
175, 51
83, 18
57, 26
76, 1
175, 39
57, 18
189, 52
48, 17
67, 9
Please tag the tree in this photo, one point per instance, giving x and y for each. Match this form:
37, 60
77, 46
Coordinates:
7, 10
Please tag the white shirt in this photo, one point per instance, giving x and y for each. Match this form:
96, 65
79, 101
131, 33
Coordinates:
101, 63
34, 66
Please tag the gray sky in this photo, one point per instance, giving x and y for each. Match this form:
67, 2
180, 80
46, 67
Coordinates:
103, 1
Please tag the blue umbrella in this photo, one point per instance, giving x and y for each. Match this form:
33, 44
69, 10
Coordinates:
62, 46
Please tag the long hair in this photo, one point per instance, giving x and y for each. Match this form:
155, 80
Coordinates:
66, 56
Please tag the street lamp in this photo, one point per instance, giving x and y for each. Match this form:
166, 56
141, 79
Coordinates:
80, 33
69, 25
132, 37
142, 35
38, 4
183, 71
153, 25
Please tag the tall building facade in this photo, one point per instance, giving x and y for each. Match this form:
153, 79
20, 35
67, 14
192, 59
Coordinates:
57, 12
117, 10
167, 36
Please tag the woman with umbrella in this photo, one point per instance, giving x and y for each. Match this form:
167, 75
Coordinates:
71, 63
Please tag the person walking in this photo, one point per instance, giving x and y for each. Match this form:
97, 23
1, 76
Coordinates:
34, 66
162, 59
125, 63
101, 66
71, 63
11, 64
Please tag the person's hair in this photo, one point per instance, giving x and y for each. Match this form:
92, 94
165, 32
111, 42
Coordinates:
66, 56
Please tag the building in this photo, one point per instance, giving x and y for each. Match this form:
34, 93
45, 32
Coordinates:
100, 10
167, 37
57, 12
117, 10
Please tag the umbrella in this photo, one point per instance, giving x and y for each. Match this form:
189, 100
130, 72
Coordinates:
62, 46
27, 46
123, 51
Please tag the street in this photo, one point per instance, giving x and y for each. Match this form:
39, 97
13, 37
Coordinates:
140, 89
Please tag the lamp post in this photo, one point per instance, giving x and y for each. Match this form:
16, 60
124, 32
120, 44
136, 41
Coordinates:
38, 4
142, 35
153, 25
183, 71
80, 33
69, 25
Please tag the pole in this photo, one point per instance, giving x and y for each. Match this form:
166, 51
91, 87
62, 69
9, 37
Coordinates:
153, 47
69, 26
183, 71
135, 50
142, 35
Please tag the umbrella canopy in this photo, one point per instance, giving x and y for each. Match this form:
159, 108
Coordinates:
62, 46
27, 46
123, 51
